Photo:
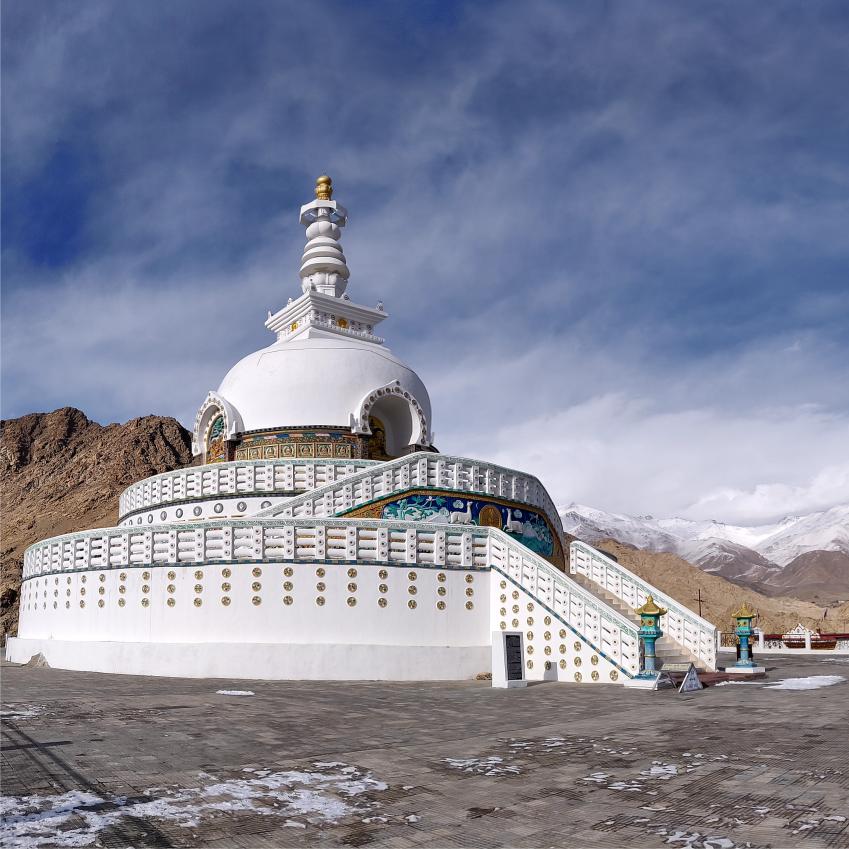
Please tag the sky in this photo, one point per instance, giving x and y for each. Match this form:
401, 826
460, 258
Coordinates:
612, 238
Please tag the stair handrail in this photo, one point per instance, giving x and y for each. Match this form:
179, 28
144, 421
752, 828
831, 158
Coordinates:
643, 588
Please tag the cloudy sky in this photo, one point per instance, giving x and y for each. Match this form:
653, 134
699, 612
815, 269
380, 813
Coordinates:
613, 238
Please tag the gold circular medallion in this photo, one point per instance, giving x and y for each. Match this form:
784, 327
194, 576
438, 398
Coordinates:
440, 605
225, 600
381, 602
226, 573
256, 586
352, 573
351, 601
469, 605
320, 601
287, 599
198, 575
256, 572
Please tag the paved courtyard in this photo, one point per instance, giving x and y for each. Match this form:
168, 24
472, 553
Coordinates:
105, 760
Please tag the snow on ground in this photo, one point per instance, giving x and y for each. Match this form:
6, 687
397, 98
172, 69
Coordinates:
811, 682
77, 819
235, 692
482, 766
21, 711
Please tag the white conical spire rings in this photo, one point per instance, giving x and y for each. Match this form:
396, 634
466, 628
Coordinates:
323, 266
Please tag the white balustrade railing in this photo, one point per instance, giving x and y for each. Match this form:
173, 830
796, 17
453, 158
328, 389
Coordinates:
425, 470
680, 623
268, 540
241, 477
601, 625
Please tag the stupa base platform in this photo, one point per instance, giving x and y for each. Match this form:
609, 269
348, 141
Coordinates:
259, 661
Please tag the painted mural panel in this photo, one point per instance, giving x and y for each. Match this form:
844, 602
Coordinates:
526, 526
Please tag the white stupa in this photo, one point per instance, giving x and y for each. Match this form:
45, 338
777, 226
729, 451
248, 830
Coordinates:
321, 535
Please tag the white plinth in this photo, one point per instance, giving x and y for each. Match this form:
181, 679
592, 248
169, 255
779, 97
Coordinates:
258, 661
744, 670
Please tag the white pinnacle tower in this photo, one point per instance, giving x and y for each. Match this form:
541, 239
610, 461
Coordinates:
323, 267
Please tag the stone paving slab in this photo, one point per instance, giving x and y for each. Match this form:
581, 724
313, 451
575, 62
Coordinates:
108, 760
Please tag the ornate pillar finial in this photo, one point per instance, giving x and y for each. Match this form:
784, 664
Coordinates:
323, 188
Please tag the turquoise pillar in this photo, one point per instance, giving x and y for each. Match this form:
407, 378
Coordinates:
744, 631
649, 634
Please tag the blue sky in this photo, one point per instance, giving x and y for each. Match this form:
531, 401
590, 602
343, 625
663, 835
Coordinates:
611, 237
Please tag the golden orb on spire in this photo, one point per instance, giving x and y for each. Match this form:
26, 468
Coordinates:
324, 188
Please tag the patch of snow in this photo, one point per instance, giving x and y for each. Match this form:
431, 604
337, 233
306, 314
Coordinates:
30, 822
492, 765
810, 682
21, 711
235, 692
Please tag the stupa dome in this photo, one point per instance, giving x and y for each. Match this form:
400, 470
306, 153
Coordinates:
327, 382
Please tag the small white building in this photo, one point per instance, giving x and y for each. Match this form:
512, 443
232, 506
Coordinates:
321, 535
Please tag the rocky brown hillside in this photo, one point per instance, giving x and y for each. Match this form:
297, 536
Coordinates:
61, 472
720, 597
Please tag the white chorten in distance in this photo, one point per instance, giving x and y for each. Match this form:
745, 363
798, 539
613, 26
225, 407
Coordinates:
328, 386
321, 535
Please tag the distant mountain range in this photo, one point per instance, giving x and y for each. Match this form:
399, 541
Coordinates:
804, 556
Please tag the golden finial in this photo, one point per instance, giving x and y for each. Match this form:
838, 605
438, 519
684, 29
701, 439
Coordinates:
650, 608
745, 612
324, 187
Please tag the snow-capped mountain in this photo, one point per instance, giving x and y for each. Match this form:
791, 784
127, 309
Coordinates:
750, 554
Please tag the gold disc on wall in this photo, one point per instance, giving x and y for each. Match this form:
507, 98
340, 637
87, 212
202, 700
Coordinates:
490, 517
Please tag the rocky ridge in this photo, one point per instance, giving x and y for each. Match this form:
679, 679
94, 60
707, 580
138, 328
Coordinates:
62, 472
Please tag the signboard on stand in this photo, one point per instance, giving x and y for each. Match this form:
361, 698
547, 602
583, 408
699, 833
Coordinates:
691, 681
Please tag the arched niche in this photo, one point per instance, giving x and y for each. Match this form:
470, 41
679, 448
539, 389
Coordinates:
399, 418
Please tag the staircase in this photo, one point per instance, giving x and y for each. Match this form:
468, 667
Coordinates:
687, 637
667, 650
